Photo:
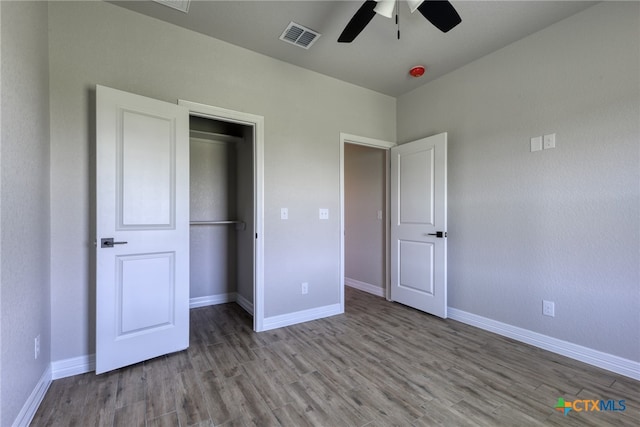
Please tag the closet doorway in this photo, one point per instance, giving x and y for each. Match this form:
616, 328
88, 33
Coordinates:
226, 208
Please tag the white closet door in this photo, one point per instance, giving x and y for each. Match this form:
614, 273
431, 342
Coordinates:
142, 205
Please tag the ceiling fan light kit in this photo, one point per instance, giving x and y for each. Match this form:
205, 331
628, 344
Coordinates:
385, 8
439, 12
414, 4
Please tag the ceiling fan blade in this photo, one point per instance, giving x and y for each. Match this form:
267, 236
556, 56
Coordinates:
357, 23
440, 13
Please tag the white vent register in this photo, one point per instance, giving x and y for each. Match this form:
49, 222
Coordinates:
300, 36
181, 5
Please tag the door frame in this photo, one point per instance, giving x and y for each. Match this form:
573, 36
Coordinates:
346, 138
257, 123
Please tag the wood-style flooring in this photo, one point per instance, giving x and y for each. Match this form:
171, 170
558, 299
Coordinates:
379, 364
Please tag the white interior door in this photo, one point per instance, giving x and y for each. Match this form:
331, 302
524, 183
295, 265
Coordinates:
418, 198
142, 204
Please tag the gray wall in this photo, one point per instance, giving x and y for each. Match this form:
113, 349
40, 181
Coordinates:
99, 43
561, 224
364, 195
24, 202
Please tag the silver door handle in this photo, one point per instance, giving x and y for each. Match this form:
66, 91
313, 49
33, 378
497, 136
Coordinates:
109, 243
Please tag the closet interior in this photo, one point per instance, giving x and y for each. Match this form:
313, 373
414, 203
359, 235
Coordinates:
221, 213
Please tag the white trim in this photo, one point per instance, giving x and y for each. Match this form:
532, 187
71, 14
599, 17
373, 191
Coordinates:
73, 366
30, 407
619, 365
212, 300
363, 140
366, 287
341, 222
346, 138
257, 122
222, 299
244, 303
289, 319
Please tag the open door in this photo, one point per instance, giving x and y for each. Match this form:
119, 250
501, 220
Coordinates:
142, 226
418, 198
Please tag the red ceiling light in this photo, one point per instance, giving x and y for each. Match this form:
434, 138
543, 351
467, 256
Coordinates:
417, 71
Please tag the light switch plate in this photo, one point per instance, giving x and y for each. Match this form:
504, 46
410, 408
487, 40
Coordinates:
323, 213
536, 143
284, 213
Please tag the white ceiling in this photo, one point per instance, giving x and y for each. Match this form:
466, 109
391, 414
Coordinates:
376, 59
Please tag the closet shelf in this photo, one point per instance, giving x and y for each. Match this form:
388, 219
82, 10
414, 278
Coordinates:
214, 222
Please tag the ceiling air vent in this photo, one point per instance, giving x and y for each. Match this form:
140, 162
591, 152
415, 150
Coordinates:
181, 5
300, 36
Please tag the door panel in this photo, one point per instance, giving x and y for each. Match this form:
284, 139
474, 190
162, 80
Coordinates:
146, 286
418, 212
415, 262
416, 175
145, 171
142, 202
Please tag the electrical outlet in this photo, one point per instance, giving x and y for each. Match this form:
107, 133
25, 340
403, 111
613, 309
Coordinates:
549, 141
548, 308
36, 347
304, 288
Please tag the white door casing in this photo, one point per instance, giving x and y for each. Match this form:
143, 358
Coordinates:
256, 122
142, 198
419, 224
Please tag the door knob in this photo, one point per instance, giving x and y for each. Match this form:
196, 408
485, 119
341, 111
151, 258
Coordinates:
438, 234
109, 243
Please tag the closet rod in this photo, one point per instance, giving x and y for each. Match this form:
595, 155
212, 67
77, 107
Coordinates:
214, 222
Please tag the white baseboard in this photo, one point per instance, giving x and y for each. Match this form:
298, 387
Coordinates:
212, 300
28, 411
244, 303
74, 366
289, 319
363, 286
222, 299
612, 363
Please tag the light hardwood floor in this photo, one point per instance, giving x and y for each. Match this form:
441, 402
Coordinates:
378, 364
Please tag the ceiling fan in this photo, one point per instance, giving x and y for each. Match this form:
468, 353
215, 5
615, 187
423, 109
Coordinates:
439, 12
